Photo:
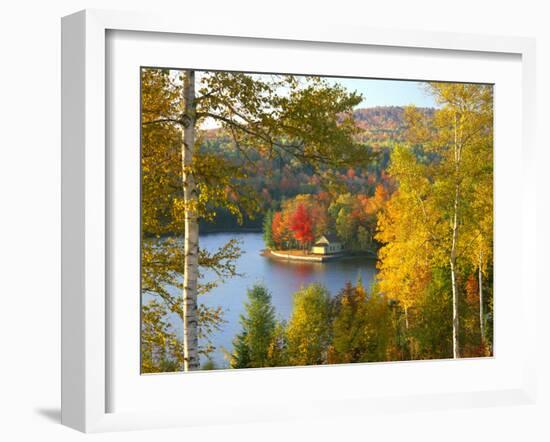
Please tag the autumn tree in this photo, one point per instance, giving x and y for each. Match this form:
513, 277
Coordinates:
406, 230
278, 347
301, 225
380, 328
300, 220
355, 217
309, 327
432, 329
464, 135
161, 349
362, 326
431, 221
319, 216
311, 123
162, 255
480, 253
278, 229
349, 335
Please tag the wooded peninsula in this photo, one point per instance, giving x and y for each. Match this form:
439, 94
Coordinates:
298, 158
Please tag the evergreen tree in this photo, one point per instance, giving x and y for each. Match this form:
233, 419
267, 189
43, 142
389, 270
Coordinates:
241, 356
267, 229
252, 345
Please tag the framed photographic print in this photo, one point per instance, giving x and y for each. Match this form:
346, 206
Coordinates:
304, 222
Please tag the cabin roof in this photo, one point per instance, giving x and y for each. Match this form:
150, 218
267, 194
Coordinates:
327, 239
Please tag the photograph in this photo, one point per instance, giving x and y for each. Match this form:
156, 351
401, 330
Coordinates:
228, 222
296, 220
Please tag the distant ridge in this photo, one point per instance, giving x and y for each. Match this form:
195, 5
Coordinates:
377, 118
384, 117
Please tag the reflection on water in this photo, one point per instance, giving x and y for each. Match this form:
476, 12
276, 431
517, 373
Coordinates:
282, 278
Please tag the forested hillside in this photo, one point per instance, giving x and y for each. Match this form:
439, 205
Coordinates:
406, 191
278, 179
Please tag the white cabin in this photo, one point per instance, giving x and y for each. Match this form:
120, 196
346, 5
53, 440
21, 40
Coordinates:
327, 245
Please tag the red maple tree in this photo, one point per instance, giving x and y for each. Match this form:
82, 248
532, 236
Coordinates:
301, 225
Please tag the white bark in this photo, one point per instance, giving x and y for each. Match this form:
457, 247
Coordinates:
454, 243
454, 282
409, 339
191, 241
480, 284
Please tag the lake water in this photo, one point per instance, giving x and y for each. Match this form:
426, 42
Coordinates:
282, 279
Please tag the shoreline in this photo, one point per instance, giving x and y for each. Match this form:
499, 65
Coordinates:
283, 256
207, 232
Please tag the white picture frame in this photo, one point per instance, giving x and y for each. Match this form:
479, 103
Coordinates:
86, 206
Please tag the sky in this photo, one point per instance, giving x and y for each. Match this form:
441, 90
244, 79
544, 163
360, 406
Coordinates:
388, 92
376, 92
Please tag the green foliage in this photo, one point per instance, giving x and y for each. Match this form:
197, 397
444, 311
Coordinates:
252, 347
278, 348
351, 216
349, 329
346, 226
162, 254
241, 352
209, 365
311, 124
363, 330
267, 232
396, 178
432, 326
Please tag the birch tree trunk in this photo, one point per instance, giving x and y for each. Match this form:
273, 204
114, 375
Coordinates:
454, 243
191, 240
480, 284
454, 282
410, 350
